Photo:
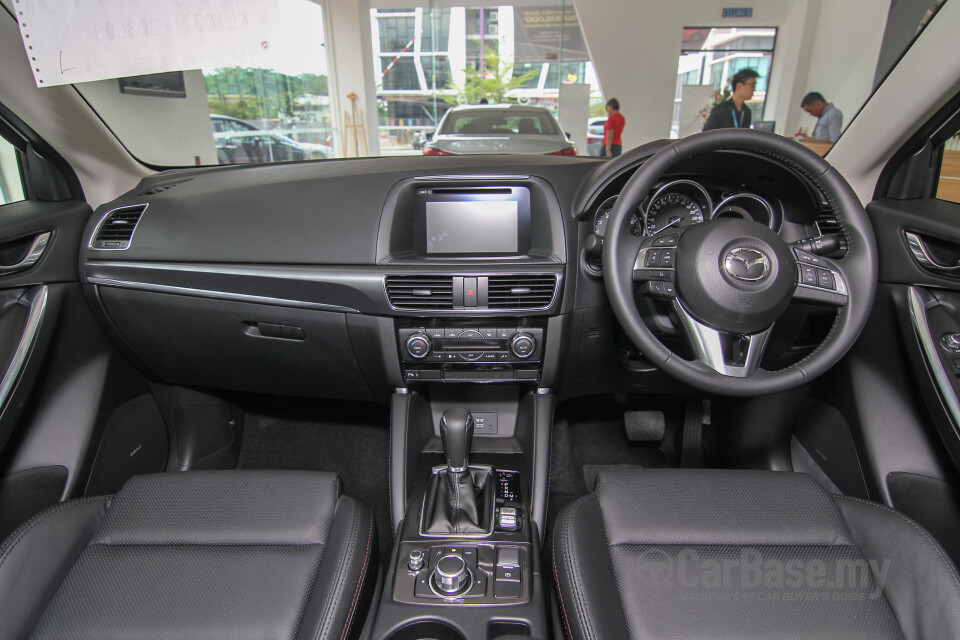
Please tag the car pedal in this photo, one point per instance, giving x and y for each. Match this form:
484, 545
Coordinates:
644, 426
695, 415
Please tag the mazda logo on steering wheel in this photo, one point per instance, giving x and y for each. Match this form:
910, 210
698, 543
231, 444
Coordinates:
746, 264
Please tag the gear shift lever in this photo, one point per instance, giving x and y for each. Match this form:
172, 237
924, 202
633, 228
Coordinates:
456, 432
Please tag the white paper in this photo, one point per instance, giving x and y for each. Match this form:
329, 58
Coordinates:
69, 41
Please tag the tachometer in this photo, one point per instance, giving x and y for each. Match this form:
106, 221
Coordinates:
672, 210
603, 216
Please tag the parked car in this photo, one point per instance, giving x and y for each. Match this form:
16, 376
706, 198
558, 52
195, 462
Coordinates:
595, 135
500, 129
240, 142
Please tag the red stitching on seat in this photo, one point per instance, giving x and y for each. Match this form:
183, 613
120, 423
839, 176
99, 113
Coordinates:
556, 581
348, 623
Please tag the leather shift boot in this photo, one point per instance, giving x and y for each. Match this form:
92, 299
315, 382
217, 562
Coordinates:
459, 503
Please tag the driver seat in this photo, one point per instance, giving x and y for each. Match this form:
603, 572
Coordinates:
745, 554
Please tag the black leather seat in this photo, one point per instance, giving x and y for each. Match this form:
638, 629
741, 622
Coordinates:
749, 554
204, 554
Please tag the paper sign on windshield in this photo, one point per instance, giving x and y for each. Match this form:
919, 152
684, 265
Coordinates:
69, 41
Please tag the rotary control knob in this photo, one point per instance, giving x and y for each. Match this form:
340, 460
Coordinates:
951, 342
415, 561
451, 575
522, 345
418, 345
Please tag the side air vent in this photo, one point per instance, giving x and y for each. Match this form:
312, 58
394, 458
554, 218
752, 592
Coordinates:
420, 292
521, 291
116, 229
160, 188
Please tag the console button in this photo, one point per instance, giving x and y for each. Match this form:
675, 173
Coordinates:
510, 574
435, 333
452, 332
489, 333
479, 587
429, 374
489, 357
508, 557
471, 334
471, 356
415, 561
527, 374
470, 556
450, 574
507, 589
469, 292
505, 332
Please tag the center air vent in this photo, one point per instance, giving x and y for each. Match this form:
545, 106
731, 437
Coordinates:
521, 291
116, 229
420, 292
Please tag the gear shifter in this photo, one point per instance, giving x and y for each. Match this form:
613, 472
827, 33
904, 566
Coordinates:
456, 432
459, 500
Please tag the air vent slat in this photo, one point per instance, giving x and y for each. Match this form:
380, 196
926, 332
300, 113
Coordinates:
116, 230
521, 292
415, 292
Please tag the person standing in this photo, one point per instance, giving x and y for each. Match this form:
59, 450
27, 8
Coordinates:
612, 128
829, 119
733, 113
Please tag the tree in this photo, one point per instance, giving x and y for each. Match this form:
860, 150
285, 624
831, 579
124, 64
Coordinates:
493, 81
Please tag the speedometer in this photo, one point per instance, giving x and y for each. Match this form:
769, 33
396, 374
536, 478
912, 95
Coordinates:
672, 210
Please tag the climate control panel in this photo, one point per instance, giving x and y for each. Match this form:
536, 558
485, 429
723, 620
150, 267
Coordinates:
453, 353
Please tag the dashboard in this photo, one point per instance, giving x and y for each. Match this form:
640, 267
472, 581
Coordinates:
347, 279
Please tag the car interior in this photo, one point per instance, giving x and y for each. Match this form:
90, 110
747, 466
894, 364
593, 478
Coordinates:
707, 389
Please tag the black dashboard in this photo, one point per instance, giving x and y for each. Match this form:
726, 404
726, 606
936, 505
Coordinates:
350, 278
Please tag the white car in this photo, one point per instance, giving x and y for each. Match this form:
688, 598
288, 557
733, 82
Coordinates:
500, 129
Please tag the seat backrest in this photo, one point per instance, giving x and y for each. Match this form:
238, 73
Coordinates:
527, 125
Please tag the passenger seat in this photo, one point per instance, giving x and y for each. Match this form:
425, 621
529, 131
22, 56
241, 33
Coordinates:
199, 554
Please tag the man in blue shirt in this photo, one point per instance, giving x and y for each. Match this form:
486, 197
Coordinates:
829, 119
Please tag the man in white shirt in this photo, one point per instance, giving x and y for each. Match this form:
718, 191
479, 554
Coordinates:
829, 119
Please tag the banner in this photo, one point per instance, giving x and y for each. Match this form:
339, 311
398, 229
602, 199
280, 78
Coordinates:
547, 34
70, 41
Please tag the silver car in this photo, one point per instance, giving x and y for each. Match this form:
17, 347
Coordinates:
500, 129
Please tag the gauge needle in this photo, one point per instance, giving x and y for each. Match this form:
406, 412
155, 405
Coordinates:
672, 222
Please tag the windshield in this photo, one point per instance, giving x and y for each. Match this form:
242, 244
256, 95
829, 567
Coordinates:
295, 80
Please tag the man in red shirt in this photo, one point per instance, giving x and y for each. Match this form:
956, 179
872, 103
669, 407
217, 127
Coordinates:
612, 128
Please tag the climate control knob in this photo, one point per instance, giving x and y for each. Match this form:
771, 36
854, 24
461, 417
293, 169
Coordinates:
418, 345
523, 345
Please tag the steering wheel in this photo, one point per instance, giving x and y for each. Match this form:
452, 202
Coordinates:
729, 280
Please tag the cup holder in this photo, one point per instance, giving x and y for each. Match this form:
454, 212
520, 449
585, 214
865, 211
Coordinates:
426, 630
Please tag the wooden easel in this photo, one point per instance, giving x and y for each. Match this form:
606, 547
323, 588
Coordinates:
353, 121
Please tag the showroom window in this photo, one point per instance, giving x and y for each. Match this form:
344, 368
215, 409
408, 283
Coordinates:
709, 57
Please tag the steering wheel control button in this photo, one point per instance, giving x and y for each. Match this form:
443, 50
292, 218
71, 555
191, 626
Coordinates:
667, 258
523, 345
826, 280
951, 342
809, 258
415, 560
808, 276
669, 240
641, 275
418, 346
653, 258
450, 575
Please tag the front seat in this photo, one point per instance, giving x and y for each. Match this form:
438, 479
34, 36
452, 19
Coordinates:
198, 554
745, 554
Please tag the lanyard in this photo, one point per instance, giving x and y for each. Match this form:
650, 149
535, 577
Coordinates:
736, 122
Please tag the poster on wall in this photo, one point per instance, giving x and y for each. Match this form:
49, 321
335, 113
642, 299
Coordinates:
543, 34
69, 42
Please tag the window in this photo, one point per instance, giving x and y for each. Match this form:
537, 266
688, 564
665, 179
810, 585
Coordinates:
11, 182
948, 188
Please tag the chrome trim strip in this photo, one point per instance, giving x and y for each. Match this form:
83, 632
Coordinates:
708, 346
471, 177
36, 298
103, 219
278, 272
771, 216
920, 301
36, 250
923, 257
219, 295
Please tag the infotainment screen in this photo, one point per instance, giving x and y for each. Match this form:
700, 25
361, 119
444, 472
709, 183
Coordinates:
470, 222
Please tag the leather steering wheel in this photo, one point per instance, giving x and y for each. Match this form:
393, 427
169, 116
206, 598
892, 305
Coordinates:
729, 281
